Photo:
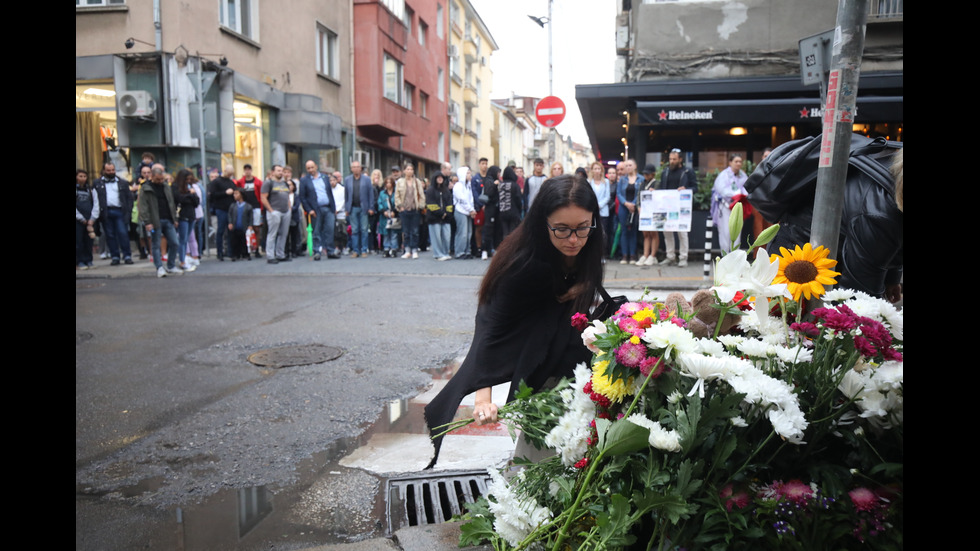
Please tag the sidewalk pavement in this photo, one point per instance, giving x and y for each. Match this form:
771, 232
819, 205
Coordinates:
619, 277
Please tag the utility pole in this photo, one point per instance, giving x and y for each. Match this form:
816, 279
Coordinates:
839, 111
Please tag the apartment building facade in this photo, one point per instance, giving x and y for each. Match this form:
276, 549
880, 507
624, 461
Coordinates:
213, 83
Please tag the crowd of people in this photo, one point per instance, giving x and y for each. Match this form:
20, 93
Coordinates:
457, 212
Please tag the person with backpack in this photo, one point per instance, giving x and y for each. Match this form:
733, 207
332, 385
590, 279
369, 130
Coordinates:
870, 249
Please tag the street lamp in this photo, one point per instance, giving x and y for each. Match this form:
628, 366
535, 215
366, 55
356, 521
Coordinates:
541, 22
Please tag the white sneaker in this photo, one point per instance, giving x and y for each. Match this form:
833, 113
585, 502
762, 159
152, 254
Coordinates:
443, 258
682, 263
175, 270
161, 272
484, 255
642, 261
188, 267
415, 254
194, 262
407, 255
624, 261
650, 261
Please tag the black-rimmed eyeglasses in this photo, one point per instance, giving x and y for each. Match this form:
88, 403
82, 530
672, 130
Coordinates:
564, 233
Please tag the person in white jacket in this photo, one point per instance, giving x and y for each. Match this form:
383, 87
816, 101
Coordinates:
465, 211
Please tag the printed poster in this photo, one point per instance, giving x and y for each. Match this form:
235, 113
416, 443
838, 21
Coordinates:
666, 210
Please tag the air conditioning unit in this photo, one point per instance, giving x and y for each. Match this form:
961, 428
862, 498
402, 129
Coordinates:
362, 157
453, 109
137, 104
453, 50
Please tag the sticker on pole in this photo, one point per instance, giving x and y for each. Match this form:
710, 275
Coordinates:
550, 111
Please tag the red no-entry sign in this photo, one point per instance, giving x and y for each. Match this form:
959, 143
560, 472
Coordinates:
550, 111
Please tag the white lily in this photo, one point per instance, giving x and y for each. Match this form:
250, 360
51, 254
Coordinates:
730, 273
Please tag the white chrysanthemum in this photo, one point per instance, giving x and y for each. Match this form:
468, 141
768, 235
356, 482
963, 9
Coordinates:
674, 398
703, 369
794, 355
570, 435
756, 348
788, 423
889, 376
730, 340
738, 421
660, 438
514, 518
711, 347
835, 295
854, 383
663, 335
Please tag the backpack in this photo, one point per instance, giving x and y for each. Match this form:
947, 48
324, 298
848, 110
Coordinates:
787, 179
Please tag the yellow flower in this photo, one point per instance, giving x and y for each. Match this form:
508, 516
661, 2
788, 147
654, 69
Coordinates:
644, 314
805, 271
616, 391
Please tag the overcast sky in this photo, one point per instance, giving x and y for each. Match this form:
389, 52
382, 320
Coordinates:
584, 37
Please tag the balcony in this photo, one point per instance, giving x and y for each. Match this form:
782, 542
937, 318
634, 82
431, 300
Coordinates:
470, 49
886, 10
470, 96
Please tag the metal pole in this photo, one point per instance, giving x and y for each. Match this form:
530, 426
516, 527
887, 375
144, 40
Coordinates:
204, 167
839, 111
551, 87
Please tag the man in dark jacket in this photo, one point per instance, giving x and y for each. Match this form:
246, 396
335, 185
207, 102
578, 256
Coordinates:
677, 176
318, 202
220, 198
158, 214
360, 204
116, 202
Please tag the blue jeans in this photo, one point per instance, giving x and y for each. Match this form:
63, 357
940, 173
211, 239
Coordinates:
323, 228
439, 236
117, 233
222, 228
184, 228
358, 230
167, 230
410, 227
464, 231
627, 237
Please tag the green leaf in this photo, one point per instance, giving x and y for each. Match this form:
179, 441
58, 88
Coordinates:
622, 437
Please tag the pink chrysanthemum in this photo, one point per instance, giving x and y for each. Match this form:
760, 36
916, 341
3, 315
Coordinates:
796, 491
630, 354
582, 463
863, 499
834, 319
738, 500
806, 328
650, 363
580, 321
631, 326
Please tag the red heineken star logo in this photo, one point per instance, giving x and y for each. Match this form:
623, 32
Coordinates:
663, 115
804, 113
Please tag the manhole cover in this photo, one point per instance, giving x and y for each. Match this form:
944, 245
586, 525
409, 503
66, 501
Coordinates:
290, 356
432, 499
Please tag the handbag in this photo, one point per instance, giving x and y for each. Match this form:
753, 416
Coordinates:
609, 305
394, 224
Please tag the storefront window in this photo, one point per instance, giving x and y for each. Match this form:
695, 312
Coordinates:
249, 138
95, 114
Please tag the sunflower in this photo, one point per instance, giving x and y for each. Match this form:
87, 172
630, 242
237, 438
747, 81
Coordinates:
805, 271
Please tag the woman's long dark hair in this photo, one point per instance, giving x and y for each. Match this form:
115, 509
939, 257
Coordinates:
510, 175
183, 181
532, 241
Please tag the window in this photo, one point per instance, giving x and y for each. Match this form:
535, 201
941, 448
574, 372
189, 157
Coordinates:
423, 31
240, 16
87, 3
409, 19
453, 13
439, 25
442, 85
424, 104
327, 55
393, 78
408, 96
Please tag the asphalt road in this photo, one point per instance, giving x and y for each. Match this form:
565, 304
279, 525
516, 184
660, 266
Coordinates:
182, 443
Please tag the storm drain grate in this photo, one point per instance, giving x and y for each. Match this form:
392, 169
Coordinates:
432, 499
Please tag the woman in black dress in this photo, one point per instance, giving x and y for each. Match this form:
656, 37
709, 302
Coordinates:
549, 269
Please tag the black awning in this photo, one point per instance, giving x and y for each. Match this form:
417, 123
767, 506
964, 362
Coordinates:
760, 111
